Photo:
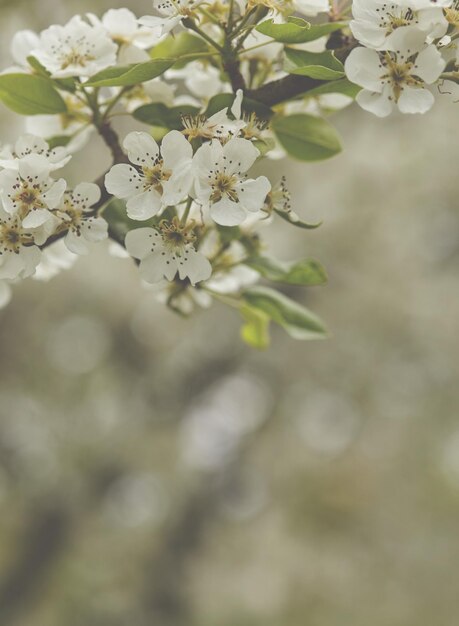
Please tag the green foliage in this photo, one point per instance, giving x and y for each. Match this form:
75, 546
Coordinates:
28, 94
294, 220
255, 331
306, 272
318, 65
129, 75
294, 318
178, 46
306, 137
343, 86
297, 30
160, 115
225, 100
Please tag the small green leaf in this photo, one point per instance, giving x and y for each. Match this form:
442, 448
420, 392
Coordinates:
225, 100
130, 75
297, 321
292, 218
29, 94
177, 46
297, 30
255, 331
318, 65
58, 141
306, 272
158, 114
306, 137
343, 86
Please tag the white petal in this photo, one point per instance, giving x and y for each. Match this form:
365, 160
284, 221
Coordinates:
95, 229
87, 194
252, 193
429, 65
175, 148
120, 22
363, 67
141, 242
36, 218
240, 155
414, 100
76, 243
194, 265
123, 181
377, 103
144, 205
54, 194
142, 149
227, 213
157, 265
22, 45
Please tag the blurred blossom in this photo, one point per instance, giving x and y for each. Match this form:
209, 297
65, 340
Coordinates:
215, 426
449, 458
78, 344
136, 500
326, 421
245, 498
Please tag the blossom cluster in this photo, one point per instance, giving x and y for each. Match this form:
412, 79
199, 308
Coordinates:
407, 56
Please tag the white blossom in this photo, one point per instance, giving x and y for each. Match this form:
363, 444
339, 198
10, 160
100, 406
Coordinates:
28, 144
166, 252
157, 178
54, 259
76, 49
171, 13
19, 256
221, 182
376, 22
123, 28
84, 227
21, 47
398, 78
31, 195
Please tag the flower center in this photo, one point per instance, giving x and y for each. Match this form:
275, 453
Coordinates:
155, 176
176, 236
224, 185
74, 57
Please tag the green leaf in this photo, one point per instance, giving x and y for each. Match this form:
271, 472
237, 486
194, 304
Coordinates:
343, 86
255, 331
306, 137
297, 30
159, 114
175, 47
297, 321
58, 141
29, 94
130, 75
318, 65
306, 272
225, 100
292, 218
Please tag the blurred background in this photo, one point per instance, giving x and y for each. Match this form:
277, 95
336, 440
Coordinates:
155, 471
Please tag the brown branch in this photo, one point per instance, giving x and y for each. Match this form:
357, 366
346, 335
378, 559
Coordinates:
292, 86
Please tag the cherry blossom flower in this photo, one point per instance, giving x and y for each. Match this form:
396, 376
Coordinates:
83, 226
76, 49
31, 144
157, 178
123, 28
30, 195
398, 78
221, 182
376, 21
19, 256
171, 13
168, 251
